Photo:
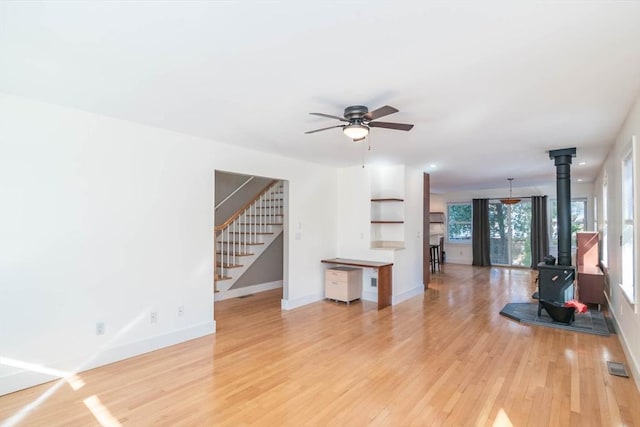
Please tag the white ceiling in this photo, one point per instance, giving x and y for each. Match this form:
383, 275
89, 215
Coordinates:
490, 86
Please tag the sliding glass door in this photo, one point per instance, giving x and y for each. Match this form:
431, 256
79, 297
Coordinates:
510, 233
578, 223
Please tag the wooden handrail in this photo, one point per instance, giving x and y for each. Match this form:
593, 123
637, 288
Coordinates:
245, 206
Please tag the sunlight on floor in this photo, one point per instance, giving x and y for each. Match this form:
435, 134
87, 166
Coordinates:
99, 411
102, 414
502, 419
24, 411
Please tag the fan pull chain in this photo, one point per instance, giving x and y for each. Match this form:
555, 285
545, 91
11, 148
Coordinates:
363, 156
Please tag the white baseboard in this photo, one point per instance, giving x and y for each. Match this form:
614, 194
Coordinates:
248, 290
290, 304
633, 363
414, 292
26, 378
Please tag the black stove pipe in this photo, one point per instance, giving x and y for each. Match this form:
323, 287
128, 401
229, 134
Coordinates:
563, 196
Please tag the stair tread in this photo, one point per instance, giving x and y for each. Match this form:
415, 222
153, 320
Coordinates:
229, 265
218, 278
277, 214
270, 223
245, 232
240, 243
233, 253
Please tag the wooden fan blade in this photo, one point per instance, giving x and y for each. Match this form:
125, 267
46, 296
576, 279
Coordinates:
330, 116
330, 127
380, 112
387, 125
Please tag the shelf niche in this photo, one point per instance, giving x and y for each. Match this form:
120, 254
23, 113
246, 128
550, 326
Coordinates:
387, 209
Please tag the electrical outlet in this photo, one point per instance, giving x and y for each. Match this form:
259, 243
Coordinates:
181, 311
154, 317
100, 328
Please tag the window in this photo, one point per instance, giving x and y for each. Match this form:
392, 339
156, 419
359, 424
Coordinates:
459, 222
605, 215
627, 240
510, 233
578, 222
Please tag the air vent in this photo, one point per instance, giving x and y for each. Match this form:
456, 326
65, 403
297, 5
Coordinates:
617, 369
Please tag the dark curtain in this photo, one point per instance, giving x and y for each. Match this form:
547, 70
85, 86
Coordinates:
539, 230
480, 233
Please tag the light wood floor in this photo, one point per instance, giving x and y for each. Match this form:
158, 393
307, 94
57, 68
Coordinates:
445, 358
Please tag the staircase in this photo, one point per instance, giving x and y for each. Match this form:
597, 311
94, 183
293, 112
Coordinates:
246, 234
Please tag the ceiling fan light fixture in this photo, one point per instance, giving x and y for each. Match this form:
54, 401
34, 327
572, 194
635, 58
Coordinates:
356, 131
510, 200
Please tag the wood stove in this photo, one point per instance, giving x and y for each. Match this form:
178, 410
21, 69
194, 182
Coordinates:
555, 282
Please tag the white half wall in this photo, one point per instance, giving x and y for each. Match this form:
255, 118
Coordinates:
105, 221
355, 231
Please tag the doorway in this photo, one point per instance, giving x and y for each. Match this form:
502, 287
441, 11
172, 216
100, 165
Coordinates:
257, 246
510, 233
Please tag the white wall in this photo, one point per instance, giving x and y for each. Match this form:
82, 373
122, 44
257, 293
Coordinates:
357, 186
407, 269
627, 315
461, 253
103, 220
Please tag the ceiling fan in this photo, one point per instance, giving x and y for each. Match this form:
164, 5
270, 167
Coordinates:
359, 119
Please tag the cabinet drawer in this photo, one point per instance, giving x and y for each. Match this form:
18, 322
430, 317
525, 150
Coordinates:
336, 290
338, 275
343, 283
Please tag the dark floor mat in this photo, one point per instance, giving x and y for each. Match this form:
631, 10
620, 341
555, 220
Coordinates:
591, 322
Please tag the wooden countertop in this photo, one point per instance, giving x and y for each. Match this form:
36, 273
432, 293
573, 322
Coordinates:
357, 262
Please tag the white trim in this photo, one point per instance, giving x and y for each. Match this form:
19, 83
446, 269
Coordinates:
252, 289
628, 285
414, 292
24, 379
290, 304
634, 364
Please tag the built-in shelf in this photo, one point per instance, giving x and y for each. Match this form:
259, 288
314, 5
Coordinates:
436, 217
387, 219
387, 244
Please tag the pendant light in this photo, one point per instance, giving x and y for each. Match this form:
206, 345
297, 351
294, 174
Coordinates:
510, 200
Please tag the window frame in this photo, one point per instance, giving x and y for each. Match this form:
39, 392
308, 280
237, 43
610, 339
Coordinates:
605, 222
628, 241
553, 243
451, 222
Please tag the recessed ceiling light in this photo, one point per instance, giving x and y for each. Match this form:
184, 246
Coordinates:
582, 163
579, 179
432, 165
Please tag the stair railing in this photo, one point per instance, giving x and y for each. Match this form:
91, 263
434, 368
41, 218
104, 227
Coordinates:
243, 229
234, 192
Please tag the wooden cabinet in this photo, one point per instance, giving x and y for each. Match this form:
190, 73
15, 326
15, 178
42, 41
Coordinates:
590, 285
590, 277
343, 284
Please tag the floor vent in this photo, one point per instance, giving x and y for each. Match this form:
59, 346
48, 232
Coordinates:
617, 369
